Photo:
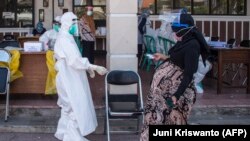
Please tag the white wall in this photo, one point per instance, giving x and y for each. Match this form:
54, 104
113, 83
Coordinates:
59, 10
48, 11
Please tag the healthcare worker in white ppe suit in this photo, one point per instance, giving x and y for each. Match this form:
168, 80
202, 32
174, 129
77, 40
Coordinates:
49, 37
78, 117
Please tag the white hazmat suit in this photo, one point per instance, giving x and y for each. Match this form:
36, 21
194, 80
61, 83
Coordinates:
78, 117
49, 37
201, 73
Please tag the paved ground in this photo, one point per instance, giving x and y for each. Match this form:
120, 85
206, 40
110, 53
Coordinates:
50, 137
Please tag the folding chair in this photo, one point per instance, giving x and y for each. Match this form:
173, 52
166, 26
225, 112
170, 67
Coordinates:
167, 43
244, 43
5, 79
123, 106
236, 68
231, 42
150, 45
215, 38
9, 41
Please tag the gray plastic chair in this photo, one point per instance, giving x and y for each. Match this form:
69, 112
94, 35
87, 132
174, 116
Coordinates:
123, 106
5, 79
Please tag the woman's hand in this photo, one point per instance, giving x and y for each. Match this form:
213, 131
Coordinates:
174, 99
159, 56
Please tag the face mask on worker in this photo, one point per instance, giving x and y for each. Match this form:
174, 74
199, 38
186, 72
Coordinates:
56, 27
73, 30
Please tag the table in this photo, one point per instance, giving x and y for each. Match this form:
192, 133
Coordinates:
232, 55
35, 71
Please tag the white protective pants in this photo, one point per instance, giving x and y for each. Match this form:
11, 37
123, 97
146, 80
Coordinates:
67, 128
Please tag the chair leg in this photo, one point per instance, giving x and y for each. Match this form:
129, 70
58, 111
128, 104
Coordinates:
244, 81
7, 104
138, 124
144, 62
141, 58
149, 64
107, 125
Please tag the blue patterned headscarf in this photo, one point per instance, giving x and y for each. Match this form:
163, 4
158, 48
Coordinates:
39, 27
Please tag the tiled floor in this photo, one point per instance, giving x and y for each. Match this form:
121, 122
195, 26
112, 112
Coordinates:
230, 96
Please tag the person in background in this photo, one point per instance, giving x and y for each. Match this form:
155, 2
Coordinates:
200, 74
172, 93
87, 27
142, 24
78, 117
165, 30
39, 30
49, 37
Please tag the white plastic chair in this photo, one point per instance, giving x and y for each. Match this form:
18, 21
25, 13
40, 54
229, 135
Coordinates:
5, 79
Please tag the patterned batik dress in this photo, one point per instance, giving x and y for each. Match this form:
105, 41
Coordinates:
166, 81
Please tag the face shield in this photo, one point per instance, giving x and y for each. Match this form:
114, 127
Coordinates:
182, 23
74, 28
167, 18
176, 23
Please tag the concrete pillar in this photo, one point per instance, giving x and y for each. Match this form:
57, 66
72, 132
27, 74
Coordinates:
122, 35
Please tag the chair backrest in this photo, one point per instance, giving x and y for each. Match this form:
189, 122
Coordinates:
245, 43
12, 43
4, 56
4, 75
150, 44
121, 77
215, 38
8, 37
231, 41
167, 43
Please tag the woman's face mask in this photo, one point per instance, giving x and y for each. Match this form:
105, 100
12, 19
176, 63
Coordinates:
176, 38
73, 29
89, 13
179, 38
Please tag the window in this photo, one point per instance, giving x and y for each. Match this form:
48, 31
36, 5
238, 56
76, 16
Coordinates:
236, 7
164, 5
219, 7
178, 4
202, 7
16, 13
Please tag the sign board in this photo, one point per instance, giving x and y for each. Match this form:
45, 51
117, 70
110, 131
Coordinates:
8, 15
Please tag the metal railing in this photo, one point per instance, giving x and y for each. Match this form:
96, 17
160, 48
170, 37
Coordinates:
20, 31
243, 20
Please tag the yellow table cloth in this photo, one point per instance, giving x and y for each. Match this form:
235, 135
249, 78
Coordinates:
50, 82
15, 73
